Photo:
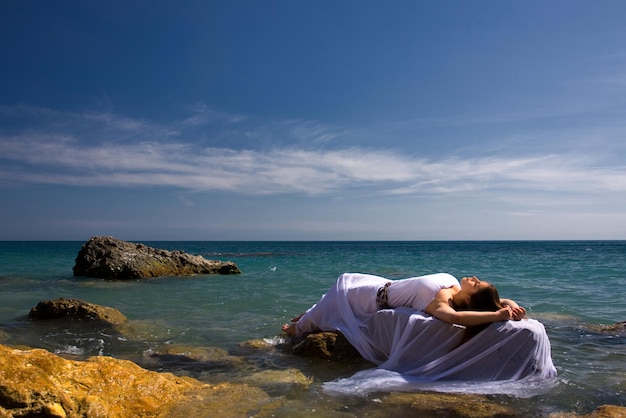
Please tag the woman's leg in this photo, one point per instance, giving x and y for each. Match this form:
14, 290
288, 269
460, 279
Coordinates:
325, 315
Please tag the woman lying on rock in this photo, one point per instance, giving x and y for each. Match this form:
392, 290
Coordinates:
418, 330
470, 303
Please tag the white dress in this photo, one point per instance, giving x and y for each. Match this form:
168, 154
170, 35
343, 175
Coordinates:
418, 347
353, 297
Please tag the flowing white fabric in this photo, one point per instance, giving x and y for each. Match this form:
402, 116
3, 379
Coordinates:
411, 348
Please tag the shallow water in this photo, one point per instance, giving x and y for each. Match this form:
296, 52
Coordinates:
571, 286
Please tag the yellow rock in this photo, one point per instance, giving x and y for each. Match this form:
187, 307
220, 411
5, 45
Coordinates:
201, 354
604, 411
257, 343
55, 410
272, 378
609, 411
37, 382
444, 404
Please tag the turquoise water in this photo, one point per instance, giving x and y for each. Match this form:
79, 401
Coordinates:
571, 286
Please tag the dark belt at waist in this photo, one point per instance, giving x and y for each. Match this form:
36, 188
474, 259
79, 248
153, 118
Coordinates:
382, 298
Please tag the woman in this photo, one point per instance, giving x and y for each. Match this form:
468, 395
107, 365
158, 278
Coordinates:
410, 346
355, 296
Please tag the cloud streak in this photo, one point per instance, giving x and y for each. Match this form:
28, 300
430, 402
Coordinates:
108, 150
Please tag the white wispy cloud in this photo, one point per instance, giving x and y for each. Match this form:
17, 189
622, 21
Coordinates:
109, 150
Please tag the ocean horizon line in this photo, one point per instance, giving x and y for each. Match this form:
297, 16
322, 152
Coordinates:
556, 240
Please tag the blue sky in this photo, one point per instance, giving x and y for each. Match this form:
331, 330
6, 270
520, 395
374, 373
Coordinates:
300, 120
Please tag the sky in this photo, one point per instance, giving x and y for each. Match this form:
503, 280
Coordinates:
313, 120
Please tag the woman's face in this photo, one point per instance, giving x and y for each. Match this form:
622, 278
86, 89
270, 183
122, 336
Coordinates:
470, 285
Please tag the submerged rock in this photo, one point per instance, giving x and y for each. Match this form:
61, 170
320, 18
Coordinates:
75, 309
603, 411
445, 405
38, 383
208, 362
273, 380
191, 353
619, 328
111, 258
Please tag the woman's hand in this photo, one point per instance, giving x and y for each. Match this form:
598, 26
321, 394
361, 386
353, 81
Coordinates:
518, 313
505, 313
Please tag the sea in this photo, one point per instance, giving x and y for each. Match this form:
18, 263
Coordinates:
575, 288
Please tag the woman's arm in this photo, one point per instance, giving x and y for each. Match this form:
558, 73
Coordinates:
440, 308
518, 311
509, 302
445, 313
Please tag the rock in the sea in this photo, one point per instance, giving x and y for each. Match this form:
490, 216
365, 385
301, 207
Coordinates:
327, 345
77, 327
618, 329
75, 309
603, 411
37, 383
111, 258
445, 405
608, 411
279, 380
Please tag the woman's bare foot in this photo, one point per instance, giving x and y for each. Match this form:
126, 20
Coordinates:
290, 329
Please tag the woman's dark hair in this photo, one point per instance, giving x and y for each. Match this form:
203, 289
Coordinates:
486, 299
